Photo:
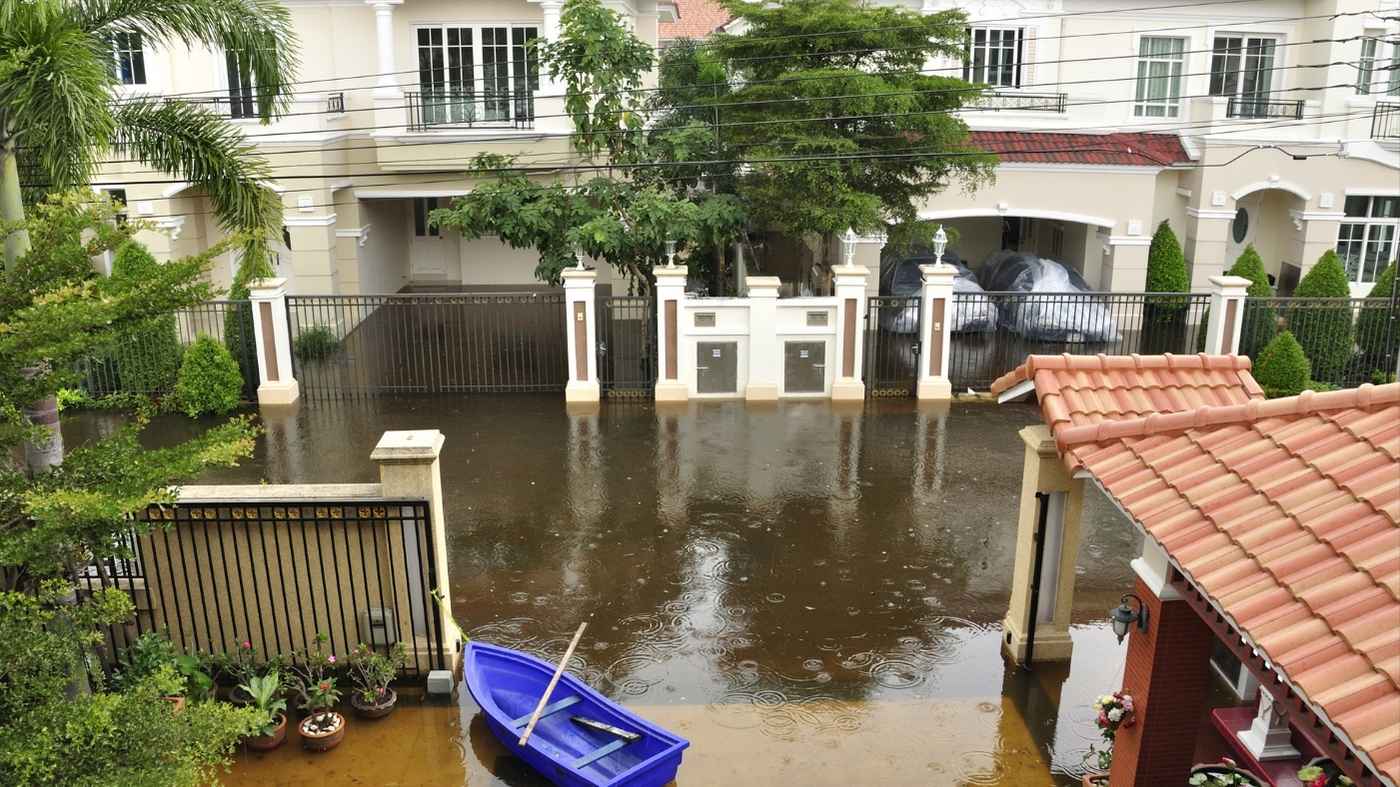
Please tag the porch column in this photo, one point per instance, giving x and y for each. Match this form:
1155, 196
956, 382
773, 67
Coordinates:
765, 355
1207, 238
1047, 535
581, 305
1168, 675
387, 84
1269, 737
936, 310
1227, 294
850, 332
549, 104
269, 301
409, 469
670, 308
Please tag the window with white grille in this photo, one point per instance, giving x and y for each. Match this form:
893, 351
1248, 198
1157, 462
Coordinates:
995, 56
1159, 77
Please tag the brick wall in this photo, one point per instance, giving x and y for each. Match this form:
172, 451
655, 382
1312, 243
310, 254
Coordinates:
1168, 674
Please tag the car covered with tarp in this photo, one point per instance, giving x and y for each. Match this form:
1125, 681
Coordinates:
1058, 305
972, 312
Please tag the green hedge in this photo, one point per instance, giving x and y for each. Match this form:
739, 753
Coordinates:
1166, 272
315, 343
1282, 368
1324, 332
1260, 319
1371, 330
147, 357
238, 330
209, 379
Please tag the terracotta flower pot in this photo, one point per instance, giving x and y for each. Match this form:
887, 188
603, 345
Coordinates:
322, 740
176, 701
374, 710
271, 740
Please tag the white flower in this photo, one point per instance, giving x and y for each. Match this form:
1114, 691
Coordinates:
1115, 715
1199, 778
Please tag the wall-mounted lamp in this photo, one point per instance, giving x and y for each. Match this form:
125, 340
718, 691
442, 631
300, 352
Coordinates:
1123, 616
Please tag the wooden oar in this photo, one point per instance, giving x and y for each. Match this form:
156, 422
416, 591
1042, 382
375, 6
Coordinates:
554, 681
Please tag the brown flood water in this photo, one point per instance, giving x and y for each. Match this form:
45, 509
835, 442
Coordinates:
812, 595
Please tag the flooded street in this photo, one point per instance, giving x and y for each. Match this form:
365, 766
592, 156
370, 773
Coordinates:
811, 594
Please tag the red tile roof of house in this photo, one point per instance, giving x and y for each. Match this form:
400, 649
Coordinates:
694, 19
1045, 147
1285, 513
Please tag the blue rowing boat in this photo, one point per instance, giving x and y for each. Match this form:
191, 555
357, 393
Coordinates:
582, 737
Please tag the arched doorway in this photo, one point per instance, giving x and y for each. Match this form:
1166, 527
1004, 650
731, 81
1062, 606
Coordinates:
1264, 219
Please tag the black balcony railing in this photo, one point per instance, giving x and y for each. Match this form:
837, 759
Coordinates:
1385, 121
1251, 108
1022, 102
335, 102
466, 109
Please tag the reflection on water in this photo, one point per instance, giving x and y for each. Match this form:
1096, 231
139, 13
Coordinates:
808, 592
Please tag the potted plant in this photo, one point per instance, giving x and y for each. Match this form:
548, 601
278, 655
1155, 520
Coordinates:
323, 728
170, 685
1322, 772
371, 673
265, 691
242, 667
1112, 712
1225, 773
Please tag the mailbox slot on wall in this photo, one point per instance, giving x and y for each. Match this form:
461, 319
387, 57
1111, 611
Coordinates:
817, 319
704, 319
804, 367
716, 367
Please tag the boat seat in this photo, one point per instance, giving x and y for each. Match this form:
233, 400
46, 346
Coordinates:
598, 754
549, 710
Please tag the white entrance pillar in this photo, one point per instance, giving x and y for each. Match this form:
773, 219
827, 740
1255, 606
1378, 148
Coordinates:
670, 314
1227, 294
580, 316
850, 332
936, 313
387, 84
274, 346
765, 356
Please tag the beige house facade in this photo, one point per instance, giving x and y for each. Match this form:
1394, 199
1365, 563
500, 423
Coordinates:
1271, 122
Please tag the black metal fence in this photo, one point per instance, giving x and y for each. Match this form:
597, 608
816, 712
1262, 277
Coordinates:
346, 346
1348, 341
1385, 121
147, 360
466, 109
892, 325
275, 574
626, 337
994, 332
1251, 108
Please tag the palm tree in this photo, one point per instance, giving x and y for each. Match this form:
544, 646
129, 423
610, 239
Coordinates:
61, 115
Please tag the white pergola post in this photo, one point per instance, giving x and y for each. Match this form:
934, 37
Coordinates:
936, 312
276, 385
1227, 296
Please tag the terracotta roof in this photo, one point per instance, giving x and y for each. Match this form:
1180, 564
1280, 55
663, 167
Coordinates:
694, 19
1127, 149
1286, 514
1088, 389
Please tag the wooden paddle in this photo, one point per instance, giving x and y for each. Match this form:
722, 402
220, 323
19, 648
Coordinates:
554, 681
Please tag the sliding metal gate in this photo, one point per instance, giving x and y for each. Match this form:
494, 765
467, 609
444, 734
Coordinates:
626, 332
892, 325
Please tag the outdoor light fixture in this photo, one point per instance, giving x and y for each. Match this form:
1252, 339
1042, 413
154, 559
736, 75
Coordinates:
940, 242
848, 246
578, 257
670, 252
1123, 616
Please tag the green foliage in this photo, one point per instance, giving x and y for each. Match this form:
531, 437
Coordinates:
142, 659
311, 669
196, 683
1166, 272
316, 343
148, 355
1282, 369
209, 379
1324, 329
371, 671
1260, 319
266, 691
72, 399
238, 325
1372, 326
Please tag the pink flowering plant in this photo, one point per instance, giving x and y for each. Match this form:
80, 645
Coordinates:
1112, 712
312, 676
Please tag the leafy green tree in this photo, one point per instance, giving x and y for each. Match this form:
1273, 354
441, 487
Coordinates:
209, 379
1282, 368
147, 358
1324, 328
1376, 327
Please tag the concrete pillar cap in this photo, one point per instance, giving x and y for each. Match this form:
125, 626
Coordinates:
408, 446
266, 288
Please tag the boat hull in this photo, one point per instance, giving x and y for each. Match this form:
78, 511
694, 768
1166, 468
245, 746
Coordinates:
507, 684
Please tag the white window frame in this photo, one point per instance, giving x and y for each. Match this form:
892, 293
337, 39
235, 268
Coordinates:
1175, 63
1361, 231
1237, 76
448, 99
1366, 64
422, 207
128, 59
979, 74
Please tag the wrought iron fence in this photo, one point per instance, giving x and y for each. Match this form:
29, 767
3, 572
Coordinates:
276, 574
457, 108
1348, 341
892, 325
1257, 108
994, 332
335, 102
1385, 121
1026, 102
626, 335
147, 359
346, 346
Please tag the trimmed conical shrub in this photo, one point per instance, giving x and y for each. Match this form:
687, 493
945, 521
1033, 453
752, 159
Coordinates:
1371, 329
1164, 317
1324, 329
1166, 264
147, 356
1282, 367
1260, 318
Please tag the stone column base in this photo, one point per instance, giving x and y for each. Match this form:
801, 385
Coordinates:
671, 391
279, 392
761, 392
1052, 643
935, 388
577, 391
847, 390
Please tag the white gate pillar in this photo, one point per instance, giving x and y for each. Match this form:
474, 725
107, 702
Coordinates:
765, 355
580, 305
935, 315
1227, 294
670, 308
850, 332
276, 385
